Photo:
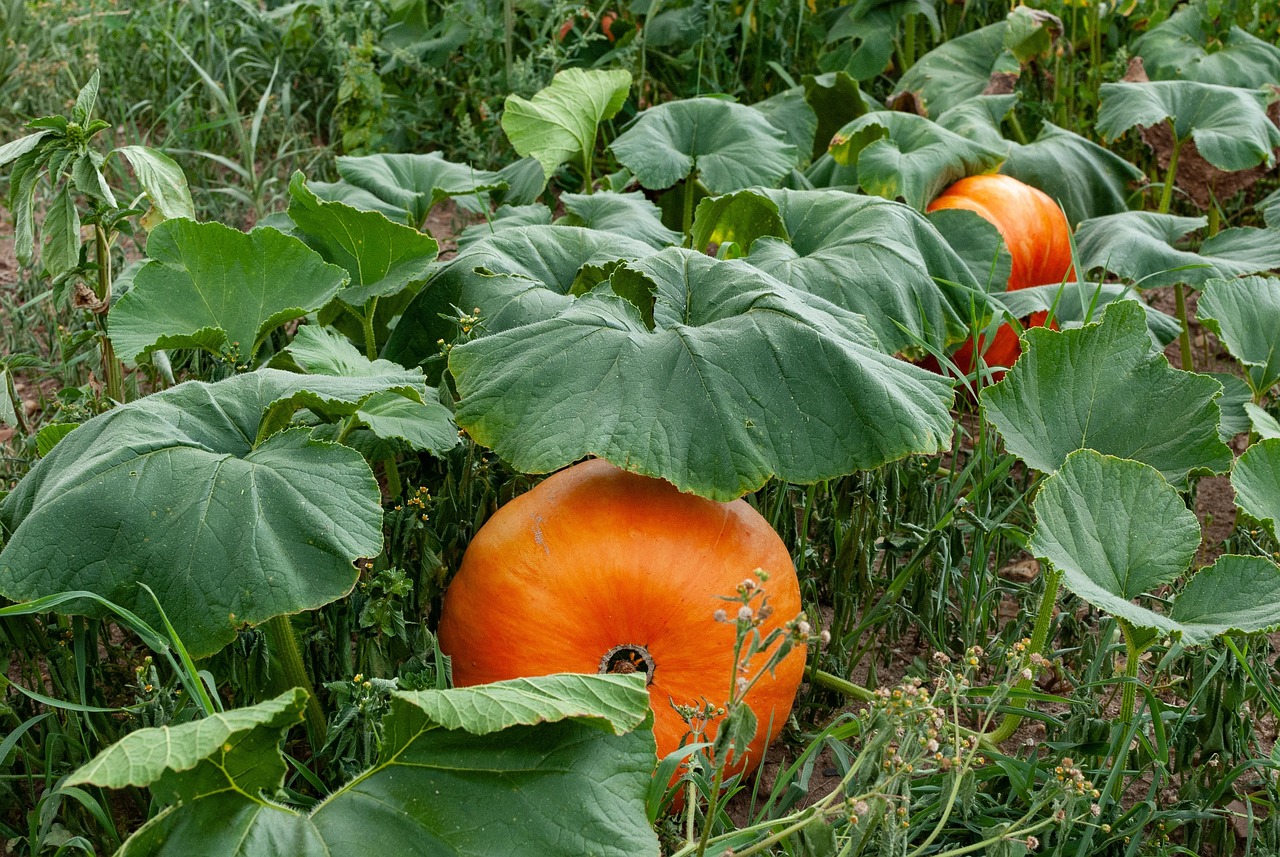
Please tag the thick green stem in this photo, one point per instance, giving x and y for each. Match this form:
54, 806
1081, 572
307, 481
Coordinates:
822, 678
1039, 637
1170, 176
366, 324
1129, 693
110, 365
283, 643
1215, 218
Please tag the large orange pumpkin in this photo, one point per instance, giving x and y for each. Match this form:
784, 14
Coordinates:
1039, 240
600, 570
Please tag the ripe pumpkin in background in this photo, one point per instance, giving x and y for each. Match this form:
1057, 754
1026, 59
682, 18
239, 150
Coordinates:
1037, 235
599, 570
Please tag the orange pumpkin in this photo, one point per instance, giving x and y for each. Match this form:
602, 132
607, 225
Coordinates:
1039, 240
599, 570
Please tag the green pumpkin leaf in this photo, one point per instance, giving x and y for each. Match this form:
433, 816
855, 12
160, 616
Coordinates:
629, 214
1266, 426
721, 395
1229, 125
1101, 387
958, 69
1074, 304
736, 218
559, 124
1084, 178
729, 146
163, 181
1116, 530
511, 768
1211, 605
979, 119
323, 351
237, 748
860, 41
1256, 480
901, 155
1187, 47
978, 243
516, 276
426, 425
381, 257
505, 217
875, 258
209, 286
1139, 247
1269, 207
1245, 314
1235, 403
227, 529
791, 114
407, 186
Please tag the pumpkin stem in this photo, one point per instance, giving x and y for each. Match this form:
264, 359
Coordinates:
628, 659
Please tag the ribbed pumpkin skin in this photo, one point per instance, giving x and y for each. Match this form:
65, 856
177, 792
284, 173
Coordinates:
1039, 241
594, 558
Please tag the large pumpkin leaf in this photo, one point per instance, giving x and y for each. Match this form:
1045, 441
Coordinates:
516, 276
1101, 387
512, 768
559, 124
629, 214
879, 259
958, 69
1117, 531
737, 218
1083, 177
210, 286
791, 114
1256, 480
381, 257
407, 186
1139, 246
1189, 47
978, 244
1211, 605
901, 155
505, 217
860, 40
423, 424
1245, 314
185, 495
729, 146
742, 378
1230, 126
1074, 304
